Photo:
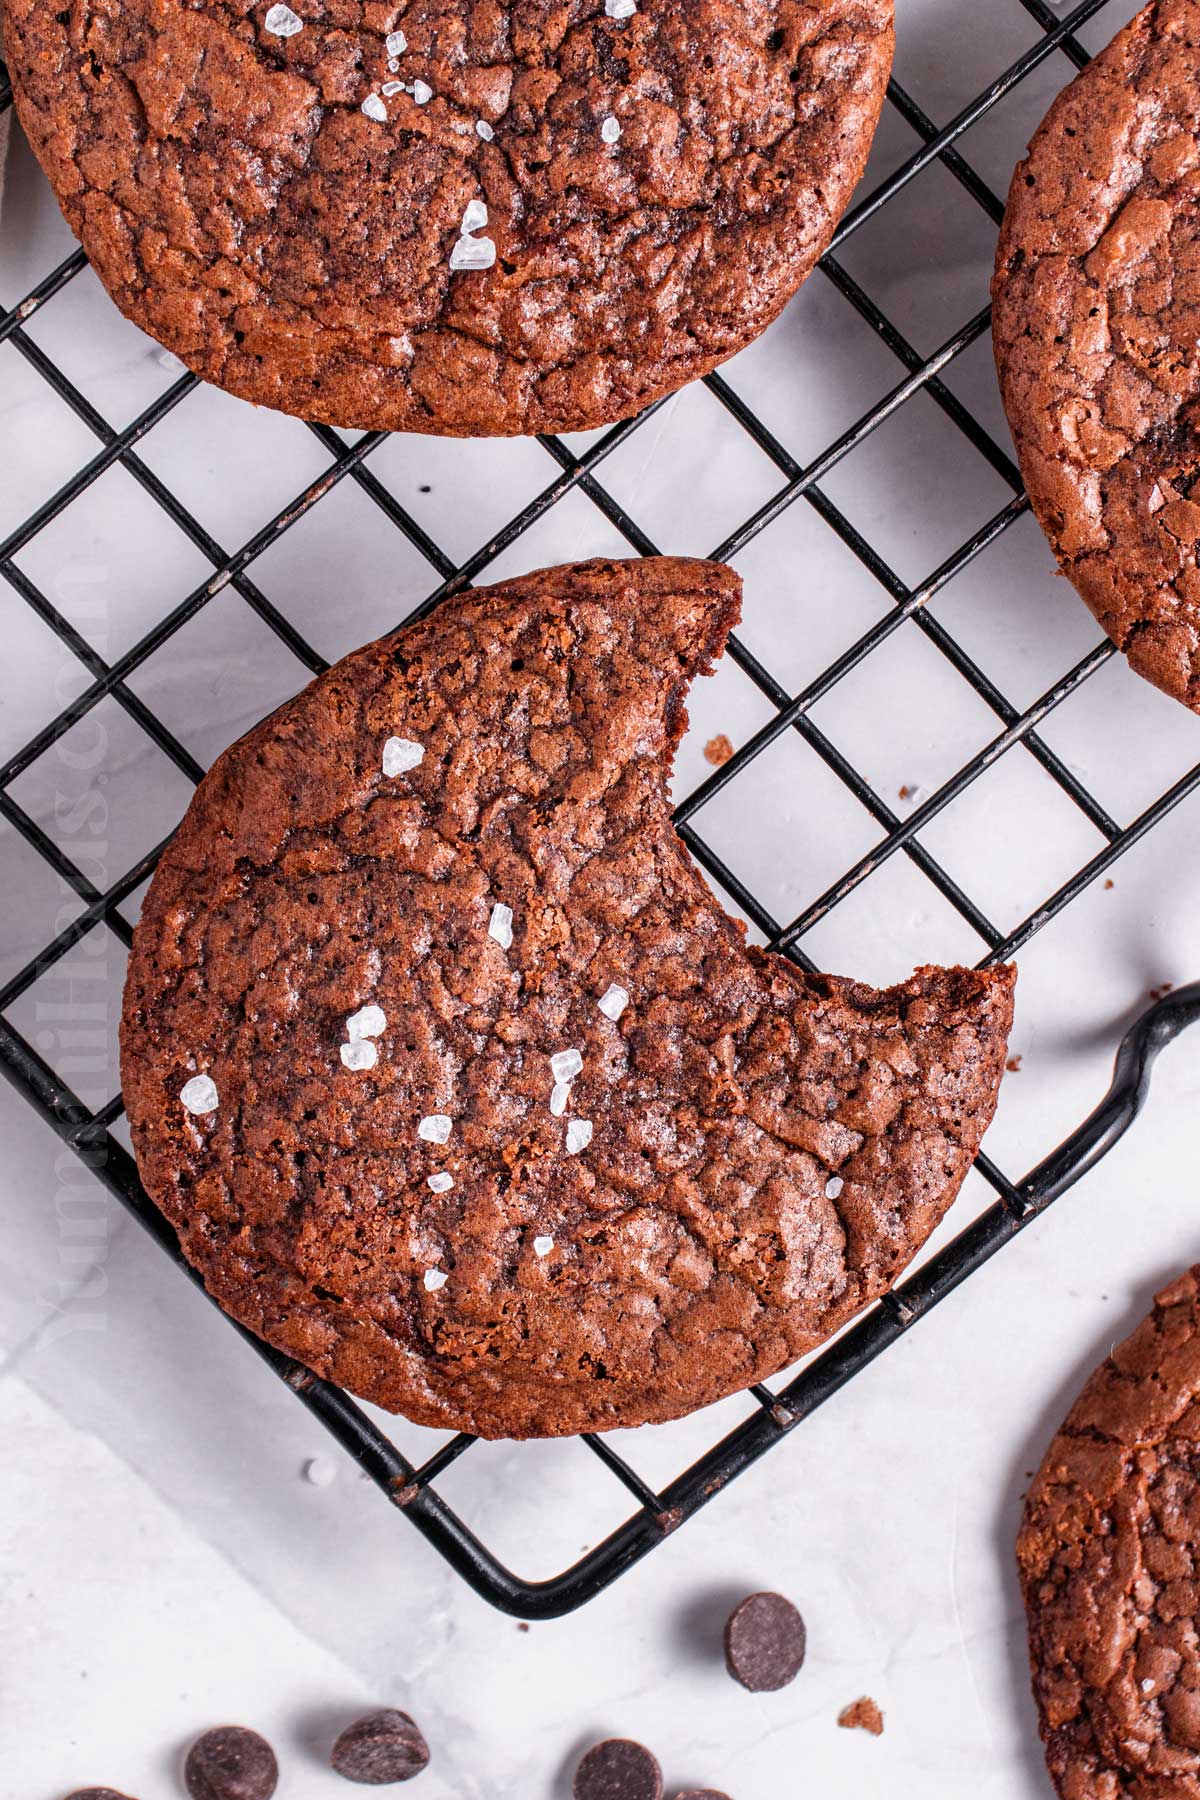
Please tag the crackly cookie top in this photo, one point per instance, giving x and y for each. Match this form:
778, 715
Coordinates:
1109, 1554
457, 1082
1097, 333
452, 215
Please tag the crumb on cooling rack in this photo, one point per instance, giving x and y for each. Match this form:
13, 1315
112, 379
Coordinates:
718, 750
1013, 1065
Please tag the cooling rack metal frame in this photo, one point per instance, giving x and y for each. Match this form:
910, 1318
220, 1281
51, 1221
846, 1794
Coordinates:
412, 1489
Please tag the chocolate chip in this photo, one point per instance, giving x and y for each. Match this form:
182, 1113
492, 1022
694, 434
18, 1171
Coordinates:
384, 1746
618, 1769
764, 1643
230, 1763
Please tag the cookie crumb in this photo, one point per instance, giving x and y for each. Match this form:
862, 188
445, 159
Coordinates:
1162, 990
1013, 1065
1110, 883
718, 750
862, 1715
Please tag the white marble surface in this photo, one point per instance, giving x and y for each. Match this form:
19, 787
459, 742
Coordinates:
164, 1564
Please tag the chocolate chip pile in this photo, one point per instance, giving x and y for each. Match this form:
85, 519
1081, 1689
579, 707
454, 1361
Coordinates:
765, 1642
234, 1763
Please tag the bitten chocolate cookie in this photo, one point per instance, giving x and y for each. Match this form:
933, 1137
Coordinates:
1097, 335
460, 1086
454, 216
1108, 1555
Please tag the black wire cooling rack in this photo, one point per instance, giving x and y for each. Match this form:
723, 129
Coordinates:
773, 1415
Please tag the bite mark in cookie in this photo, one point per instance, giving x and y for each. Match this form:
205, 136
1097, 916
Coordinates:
729, 1156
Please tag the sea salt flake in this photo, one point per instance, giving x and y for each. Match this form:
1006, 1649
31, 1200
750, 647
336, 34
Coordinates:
359, 1054
392, 87
485, 131
199, 1094
833, 1187
435, 1279
367, 1022
375, 109
472, 253
400, 755
613, 1001
395, 43
320, 1471
560, 1093
542, 1246
579, 1136
1147, 1686
620, 9
500, 924
422, 93
610, 131
435, 1128
441, 1183
474, 218
282, 22
565, 1065
393, 65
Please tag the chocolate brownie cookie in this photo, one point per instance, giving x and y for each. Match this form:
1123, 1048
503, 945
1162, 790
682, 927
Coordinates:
1097, 334
456, 1081
1108, 1553
454, 216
